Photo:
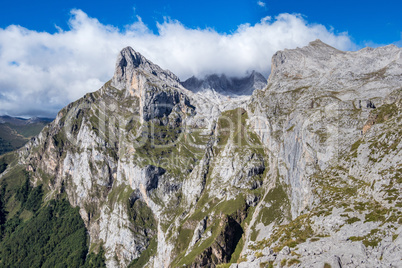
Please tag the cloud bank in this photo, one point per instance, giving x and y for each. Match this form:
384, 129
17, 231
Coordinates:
42, 72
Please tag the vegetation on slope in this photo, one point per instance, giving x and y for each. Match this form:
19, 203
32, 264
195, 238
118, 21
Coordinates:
14, 133
35, 233
225, 219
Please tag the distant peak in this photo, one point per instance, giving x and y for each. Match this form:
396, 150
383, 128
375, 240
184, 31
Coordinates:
227, 85
257, 76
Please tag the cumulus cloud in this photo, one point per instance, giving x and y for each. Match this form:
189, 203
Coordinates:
43, 72
261, 3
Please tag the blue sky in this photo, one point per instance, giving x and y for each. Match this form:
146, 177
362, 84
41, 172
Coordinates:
53, 52
367, 22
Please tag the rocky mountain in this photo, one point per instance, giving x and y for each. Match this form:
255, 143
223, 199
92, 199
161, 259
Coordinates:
227, 86
224, 93
15, 131
304, 172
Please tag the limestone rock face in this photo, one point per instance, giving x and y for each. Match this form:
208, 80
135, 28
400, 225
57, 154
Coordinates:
319, 119
304, 170
318, 100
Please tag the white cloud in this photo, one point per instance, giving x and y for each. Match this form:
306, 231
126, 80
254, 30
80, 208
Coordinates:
399, 43
261, 3
43, 72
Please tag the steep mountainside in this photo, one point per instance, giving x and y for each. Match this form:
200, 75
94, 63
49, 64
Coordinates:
307, 171
331, 122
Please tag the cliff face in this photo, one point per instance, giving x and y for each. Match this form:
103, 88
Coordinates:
330, 122
306, 169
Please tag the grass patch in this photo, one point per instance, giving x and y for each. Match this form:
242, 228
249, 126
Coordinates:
258, 254
223, 265
277, 206
377, 214
370, 240
293, 261
352, 220
291, 234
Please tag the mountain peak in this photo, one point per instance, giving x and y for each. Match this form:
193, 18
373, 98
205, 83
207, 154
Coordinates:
129, 55
129, 63
315, 49
318, 43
